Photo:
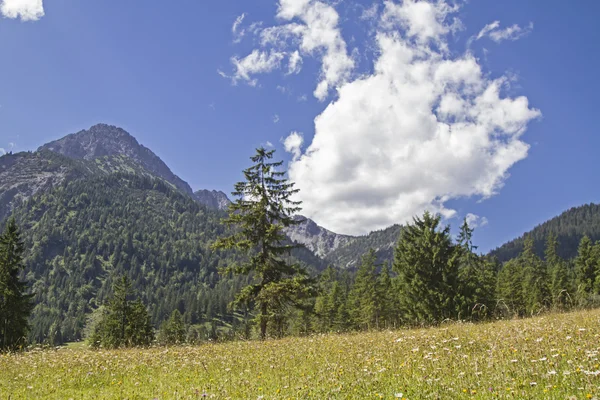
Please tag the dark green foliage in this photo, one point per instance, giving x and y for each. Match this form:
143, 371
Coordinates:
362, 300
536, 291
586, 271
427, 269
569, 227
262, 209
125, 322
173, 331
15, 304
560, 276
85, 231
509, 293
385, 300
476, 279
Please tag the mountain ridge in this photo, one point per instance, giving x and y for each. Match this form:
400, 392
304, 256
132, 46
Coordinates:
105, 140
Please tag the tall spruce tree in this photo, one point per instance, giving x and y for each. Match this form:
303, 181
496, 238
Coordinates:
263, 208
536, 291
363, 296
15, 304
586, 267
559, 274
385, 298
509, 289
427, 267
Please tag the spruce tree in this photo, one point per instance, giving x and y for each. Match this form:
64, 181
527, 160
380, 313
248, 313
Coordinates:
560, 280
427, 267
536, 291
385, 298
509, 289
124, 322
586, 266
363, 296
172, 331
15, 304
263, 208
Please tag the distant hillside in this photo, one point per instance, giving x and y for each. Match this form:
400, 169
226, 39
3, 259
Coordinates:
570, 227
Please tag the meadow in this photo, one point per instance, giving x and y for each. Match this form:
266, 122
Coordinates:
549, 357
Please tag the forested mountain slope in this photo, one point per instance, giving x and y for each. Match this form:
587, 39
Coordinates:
569, 227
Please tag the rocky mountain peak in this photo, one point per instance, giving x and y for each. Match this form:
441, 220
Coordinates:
214, 199
106, 140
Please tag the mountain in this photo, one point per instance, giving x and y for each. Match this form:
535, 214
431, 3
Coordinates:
106, 140
569, 227
316, 238
95, 205
214, 199
382, 241
25, 174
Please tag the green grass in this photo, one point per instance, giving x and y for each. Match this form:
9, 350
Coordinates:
550, 357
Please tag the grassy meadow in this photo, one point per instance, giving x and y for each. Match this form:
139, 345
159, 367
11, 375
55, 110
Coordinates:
549, 357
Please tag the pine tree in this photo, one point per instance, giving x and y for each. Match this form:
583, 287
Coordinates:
363, 296
560, 280
536, 292
427, 269
264, 207
15, 304
586, 266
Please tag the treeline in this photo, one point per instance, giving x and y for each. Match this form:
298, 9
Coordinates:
432, 279
125, 259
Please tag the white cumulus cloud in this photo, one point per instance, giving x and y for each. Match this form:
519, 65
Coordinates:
475, 221
293, 144
26, 10
423, 127
2, 151
513, 32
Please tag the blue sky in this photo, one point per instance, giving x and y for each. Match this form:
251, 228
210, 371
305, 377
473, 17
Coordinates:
157, 71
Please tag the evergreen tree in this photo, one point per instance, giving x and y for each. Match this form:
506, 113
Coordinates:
477, 278
536, 291
124, 322
173, 330
385, 304
363, 296
509, 290
140, 331
15, 304
560, 280
586, 267
427, 268
262, 209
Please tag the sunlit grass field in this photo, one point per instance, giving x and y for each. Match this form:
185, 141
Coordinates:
549, 357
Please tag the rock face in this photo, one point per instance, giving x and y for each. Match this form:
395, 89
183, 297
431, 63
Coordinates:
107, 140
213, 199
316, 238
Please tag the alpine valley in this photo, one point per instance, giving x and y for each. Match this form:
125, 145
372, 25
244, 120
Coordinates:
97, 204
